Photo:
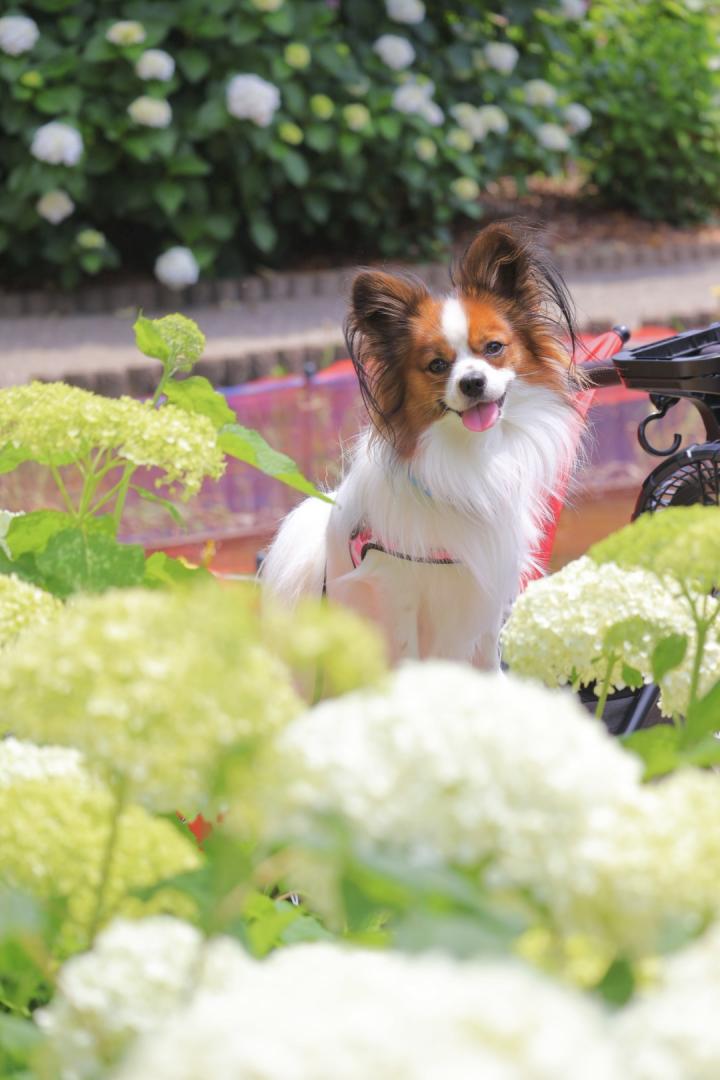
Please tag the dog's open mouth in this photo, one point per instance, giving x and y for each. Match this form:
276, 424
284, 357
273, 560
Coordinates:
482, 416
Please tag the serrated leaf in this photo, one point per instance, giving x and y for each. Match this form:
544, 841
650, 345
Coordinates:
196, 394
249, 446
31, 532
669, 653
657, 747
149, 340
78, 560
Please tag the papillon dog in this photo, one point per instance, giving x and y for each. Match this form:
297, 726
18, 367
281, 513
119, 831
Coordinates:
473, 423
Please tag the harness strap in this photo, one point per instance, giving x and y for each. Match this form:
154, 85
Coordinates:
362, 541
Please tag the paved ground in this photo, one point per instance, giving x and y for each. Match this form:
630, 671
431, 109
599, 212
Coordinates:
57, 346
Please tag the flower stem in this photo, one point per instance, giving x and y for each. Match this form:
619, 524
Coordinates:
60, 483
118, 790
122, 494
602, 700
702, 626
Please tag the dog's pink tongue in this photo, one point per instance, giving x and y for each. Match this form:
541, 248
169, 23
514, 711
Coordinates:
481, 417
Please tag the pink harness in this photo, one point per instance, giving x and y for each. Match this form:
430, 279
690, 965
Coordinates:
362, 541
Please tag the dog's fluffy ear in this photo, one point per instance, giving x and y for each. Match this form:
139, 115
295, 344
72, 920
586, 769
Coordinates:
381, 303
505, 259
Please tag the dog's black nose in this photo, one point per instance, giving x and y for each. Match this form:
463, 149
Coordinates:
472, 386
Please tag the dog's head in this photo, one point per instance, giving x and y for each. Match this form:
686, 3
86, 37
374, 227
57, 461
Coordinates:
421, 357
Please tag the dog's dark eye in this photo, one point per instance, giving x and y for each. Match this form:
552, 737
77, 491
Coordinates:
438, 365
494, 348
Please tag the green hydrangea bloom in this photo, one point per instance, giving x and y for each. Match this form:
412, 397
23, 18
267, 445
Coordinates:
22, 604
54, 822
682, 541
152, 686
56, 424
183, 337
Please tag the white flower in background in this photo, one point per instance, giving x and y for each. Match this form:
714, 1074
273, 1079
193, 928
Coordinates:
395, 51
713, 63
573, 9
25, 761
297, 55
150, 112
125, 32
385, 1015
465, 188
539, 92
357, 117
267, 5
460, 140
249, 97
670, 1030
155, 64
411, 12
577, 117
135, 975
18, 34
177, 268
493, 119
478, 122
413, 96
57, 144
91, 240
55, 206
501, 56
553, 137
425, 149
432, 113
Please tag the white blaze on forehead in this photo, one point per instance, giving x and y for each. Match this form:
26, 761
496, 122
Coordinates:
455, 326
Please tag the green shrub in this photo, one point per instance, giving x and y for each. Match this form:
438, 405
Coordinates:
650, 72
340, 139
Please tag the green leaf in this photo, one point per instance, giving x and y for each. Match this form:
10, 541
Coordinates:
18, 1039
631, 676
249, 446
263, 233
657, 747
78, 560
618, 983
59, 99
31, 532
296, 168
12, 456
162, 570
149, 340
703, 717
188, 165
151, 496
169, 195
389, 126
669, 653
319, 137
194, 64
197, 395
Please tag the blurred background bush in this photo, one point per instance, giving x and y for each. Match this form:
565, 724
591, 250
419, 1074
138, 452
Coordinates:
210, 136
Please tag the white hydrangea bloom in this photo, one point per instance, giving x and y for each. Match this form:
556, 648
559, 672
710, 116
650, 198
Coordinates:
465, 188
577, 117
411, 12
91, 239
670, 1031
432, 113
150, 112
450, 765
493, 119
384, 1015
18, 34
539, 92
478, 122
177, 268
25, 761
553, 137
57, 144
136, 975
249, 97
55, 206
425, 149
395, 51
155, 64
501, 56
413, 96
125, 32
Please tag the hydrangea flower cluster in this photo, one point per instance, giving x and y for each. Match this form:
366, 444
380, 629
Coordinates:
451, 765
18, 34
480, 121
384, 1014
53, 423
395, 51
57, 144
150, 685
54, 822
155, 64
55, 206
415, 97
21, 605
411, 12
177, 268
250, 97
150, 112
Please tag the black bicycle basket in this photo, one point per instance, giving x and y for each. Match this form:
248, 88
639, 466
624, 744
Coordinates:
689, 478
